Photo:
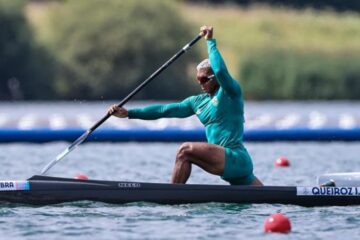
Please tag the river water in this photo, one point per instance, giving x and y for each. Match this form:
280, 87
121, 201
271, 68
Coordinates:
153, 162
270, 114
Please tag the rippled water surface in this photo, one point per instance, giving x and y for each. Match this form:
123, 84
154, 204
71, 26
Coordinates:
152, 162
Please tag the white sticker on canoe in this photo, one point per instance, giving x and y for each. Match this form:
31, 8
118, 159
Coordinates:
328, 191
14, 185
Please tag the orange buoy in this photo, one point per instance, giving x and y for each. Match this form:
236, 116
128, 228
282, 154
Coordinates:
81, 177
278, 223
282, 162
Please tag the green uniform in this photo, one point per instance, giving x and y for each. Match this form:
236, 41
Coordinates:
222, 115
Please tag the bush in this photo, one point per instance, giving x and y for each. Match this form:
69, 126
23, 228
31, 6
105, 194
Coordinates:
106, 48
290, 74
24, 70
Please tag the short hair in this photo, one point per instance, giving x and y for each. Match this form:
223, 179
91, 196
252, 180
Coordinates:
205, 64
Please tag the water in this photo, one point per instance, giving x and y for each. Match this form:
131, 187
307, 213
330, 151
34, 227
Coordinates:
153, 162
273, 114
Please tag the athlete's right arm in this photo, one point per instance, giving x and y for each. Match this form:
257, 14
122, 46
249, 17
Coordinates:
173, 110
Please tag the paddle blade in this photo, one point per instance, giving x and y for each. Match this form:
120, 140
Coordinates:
66, 152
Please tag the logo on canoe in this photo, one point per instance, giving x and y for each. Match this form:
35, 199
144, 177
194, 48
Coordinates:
128, 185
7, 185
14, 185
328, 191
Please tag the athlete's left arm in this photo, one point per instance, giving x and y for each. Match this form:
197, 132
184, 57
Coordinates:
219, 68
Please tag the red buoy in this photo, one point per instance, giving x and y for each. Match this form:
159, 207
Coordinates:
282, 162
81, 177
278, 223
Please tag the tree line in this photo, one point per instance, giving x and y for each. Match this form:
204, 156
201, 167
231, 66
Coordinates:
335, 5
95, 50
98, 50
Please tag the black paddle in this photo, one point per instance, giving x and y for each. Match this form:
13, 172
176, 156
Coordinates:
125, 100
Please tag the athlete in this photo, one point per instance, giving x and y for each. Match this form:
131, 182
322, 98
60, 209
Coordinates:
221, 110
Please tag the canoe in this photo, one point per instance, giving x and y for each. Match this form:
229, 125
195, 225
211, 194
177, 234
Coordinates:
43, 190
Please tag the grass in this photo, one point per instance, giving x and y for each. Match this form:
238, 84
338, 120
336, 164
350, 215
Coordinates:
240, 31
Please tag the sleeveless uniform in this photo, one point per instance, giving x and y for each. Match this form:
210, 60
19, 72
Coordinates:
222, 115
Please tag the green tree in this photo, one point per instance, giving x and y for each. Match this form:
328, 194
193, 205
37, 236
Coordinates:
105, 48
25, 69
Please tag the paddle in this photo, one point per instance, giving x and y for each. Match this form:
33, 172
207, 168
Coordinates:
83, 137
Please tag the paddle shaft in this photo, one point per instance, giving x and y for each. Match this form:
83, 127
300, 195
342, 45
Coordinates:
148, 80
83, 137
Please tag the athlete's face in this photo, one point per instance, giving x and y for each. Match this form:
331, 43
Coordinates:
207, 80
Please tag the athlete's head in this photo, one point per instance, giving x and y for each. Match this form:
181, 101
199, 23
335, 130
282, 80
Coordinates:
206, 77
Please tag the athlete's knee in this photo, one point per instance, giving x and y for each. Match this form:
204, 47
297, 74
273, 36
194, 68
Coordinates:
184, 151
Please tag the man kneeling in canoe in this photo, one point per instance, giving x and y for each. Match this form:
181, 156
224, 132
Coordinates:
221, 110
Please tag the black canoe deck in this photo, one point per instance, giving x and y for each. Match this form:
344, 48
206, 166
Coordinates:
50, 190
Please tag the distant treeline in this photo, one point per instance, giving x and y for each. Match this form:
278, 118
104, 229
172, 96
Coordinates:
25, 67
97, 50
336, 5
291, 74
